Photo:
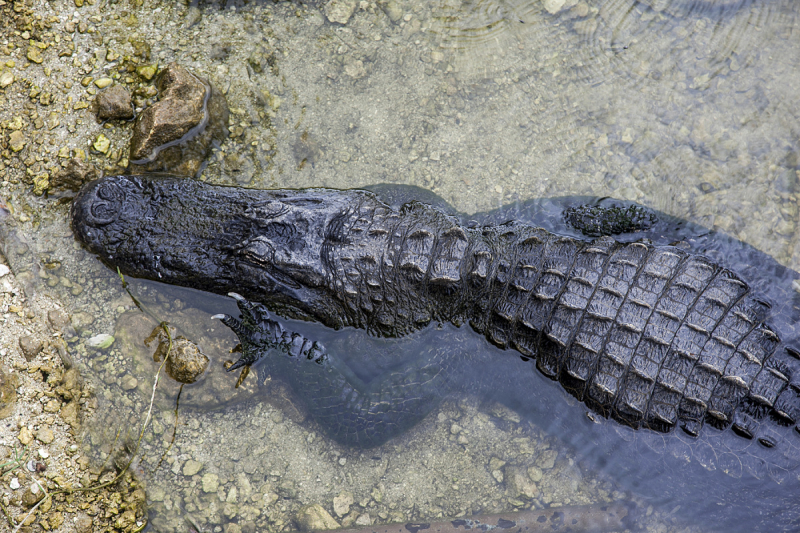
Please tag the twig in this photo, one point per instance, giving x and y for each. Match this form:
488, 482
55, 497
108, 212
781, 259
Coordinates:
8, 515
174, 429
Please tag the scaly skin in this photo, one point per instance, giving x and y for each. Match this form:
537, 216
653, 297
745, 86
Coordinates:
652, 336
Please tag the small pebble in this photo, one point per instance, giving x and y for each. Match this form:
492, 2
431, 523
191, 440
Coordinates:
101, 341
45, 435
14, 485
6, 79
129, 382
4, 270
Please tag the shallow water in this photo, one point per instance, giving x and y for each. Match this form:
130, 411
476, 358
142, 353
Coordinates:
690, 107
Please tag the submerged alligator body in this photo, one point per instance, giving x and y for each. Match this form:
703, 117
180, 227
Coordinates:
652, 336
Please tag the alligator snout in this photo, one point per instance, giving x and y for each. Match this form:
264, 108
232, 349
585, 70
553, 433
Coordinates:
99, 212
98, 204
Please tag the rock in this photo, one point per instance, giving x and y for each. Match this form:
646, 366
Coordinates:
16, 141
364, 519
129, 382
393, 10
355, 69
8, 392
186, 362
342, 503
339, 11
31, 498
191, 467
519, 484
496, 464
102, 83
113, 103
81, 320
45, 435
25, 436
315, 518
216, 388
210, 482
41, 183
175, 134
34, 55
535, 473
102, 144
6, 79
73, 176
70, 414
83, 523
147, 72
4, 270
125, 520
101, 341
30, 347
58, 319
546, 459
71, 385
14, 485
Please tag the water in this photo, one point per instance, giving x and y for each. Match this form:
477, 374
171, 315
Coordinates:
689, 107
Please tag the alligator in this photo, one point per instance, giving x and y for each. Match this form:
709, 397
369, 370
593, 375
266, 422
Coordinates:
653, 336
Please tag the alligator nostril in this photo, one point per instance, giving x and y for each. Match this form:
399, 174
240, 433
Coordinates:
108, 200
103, 212
110, 191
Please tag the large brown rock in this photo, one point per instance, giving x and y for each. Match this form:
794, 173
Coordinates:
176, 133
113, 103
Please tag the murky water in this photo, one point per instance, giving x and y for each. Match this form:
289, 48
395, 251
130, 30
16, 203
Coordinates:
687, 106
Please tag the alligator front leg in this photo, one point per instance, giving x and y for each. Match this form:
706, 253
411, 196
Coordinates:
351, 411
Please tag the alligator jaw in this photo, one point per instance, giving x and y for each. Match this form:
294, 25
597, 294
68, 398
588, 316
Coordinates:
181, 231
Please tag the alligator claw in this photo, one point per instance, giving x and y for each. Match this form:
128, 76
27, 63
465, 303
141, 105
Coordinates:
255, 311
238, 364
257, 333
233, 323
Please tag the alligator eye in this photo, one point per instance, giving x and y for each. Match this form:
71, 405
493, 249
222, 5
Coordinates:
258, 251
108, 200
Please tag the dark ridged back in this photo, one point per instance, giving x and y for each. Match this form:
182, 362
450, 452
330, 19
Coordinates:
651, 336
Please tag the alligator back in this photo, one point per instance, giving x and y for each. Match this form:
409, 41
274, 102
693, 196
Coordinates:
652, 336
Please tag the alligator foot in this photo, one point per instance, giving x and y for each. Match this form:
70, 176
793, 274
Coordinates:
256, 331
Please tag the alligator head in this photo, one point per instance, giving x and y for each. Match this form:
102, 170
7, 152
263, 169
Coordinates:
218, 239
